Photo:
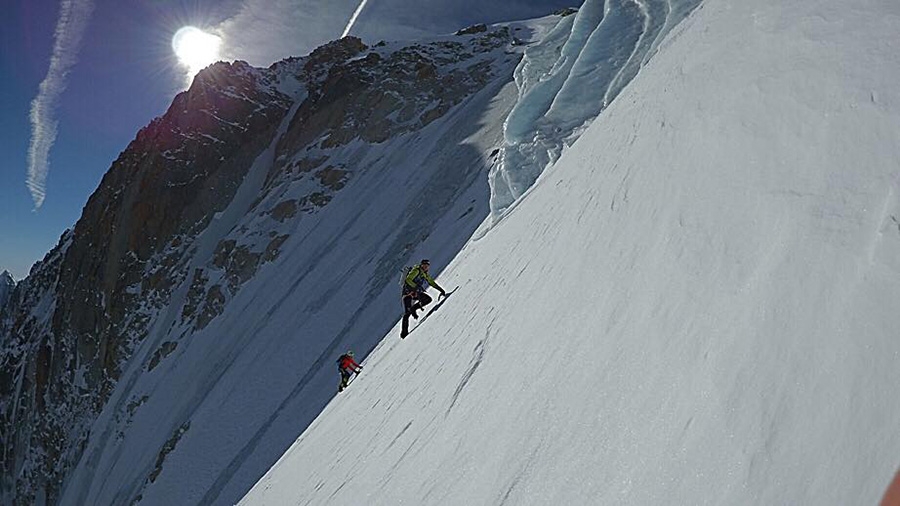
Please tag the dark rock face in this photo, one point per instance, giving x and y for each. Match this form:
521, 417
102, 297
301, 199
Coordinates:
120, 263
568, 11
179, 170
369, 97
69, 330
26, 386
479, 28
7, 285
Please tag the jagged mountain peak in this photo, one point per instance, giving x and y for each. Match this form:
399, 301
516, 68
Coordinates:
333, 52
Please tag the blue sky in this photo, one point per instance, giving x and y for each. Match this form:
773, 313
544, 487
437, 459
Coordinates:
125, 74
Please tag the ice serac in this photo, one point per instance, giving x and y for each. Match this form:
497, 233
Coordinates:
569, 78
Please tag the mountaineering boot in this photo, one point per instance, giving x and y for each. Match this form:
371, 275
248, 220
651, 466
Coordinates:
404, 327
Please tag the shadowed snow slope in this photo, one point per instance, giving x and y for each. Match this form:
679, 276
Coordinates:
696, 305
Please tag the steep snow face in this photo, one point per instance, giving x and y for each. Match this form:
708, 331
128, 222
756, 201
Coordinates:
695, 305
569, 78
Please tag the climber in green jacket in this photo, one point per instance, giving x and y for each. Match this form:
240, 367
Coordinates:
414, 296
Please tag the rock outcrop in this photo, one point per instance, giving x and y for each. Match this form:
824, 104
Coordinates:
7, 285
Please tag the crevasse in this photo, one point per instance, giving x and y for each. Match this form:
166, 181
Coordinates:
568, 78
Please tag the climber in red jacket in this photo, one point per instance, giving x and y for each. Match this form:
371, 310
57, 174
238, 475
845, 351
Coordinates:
347, 366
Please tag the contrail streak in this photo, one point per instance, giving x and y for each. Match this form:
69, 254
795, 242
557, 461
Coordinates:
353, 18
73, 19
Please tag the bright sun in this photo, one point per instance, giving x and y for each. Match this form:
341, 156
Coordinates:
195, 48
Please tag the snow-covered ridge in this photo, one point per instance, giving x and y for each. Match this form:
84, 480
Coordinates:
569, 78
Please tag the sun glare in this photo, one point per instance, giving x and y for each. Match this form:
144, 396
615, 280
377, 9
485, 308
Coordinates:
195, 48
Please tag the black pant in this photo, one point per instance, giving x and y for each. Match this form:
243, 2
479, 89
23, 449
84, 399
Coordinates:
412, 301
345, 376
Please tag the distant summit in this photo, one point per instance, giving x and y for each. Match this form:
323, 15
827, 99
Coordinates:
7, 284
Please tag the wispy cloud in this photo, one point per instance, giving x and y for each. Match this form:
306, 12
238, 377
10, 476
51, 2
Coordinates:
73, 19
359, 9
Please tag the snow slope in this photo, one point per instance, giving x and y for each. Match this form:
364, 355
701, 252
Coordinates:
695, 305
